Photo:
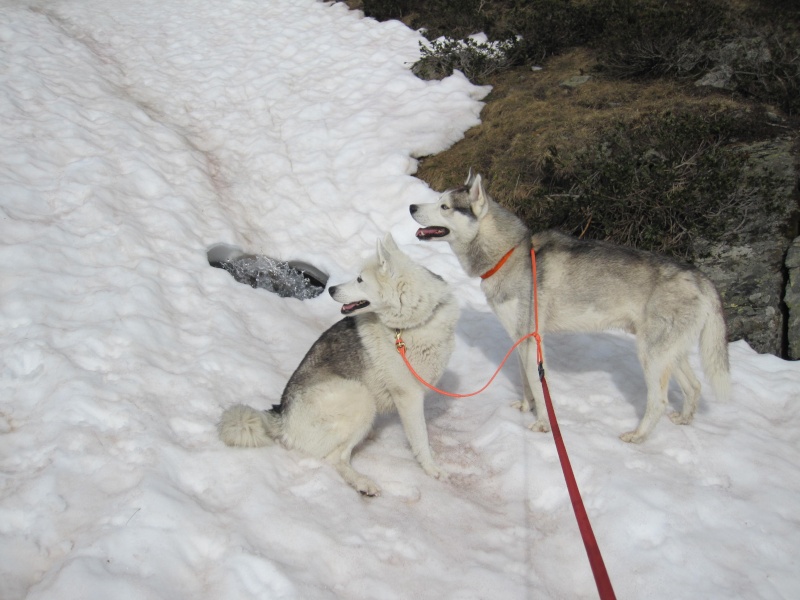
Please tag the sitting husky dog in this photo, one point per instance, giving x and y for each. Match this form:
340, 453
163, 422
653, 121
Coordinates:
585, 286
354, 371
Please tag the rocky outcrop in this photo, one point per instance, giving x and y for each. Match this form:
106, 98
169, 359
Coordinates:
792, 300
749, 267
738, 59
750, 280
576, 81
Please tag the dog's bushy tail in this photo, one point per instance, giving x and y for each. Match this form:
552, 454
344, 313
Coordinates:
714, 350
244, 426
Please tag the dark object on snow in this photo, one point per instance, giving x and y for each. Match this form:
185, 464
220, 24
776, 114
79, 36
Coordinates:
292, 279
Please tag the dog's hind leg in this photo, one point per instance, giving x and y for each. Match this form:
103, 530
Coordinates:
657, 385
329, 419
341, 454
340, 459
657, 364
690, 387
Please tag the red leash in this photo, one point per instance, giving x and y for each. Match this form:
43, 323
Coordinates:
601, 579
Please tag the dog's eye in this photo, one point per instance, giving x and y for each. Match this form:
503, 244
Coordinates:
444, 207
359, 280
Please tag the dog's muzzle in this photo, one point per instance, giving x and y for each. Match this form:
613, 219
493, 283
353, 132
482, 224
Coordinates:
427, 233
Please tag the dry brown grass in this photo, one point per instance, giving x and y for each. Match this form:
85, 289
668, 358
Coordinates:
648, 163
529, 114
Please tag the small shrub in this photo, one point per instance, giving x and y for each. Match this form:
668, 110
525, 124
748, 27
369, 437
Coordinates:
751, 53
685, 39
645, 38
655, 184
450, 18
540, 28
476, 60
547, 27
771, 71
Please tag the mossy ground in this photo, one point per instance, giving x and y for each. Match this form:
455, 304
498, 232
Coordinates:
638, 154
644, 163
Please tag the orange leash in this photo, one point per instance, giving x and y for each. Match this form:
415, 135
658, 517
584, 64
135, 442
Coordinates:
401, 347
601, 578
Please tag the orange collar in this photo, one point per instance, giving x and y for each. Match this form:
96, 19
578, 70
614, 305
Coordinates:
499, 265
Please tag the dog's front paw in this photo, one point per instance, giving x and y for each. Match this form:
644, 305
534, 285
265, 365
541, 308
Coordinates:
680, 419
366, 487
521, 405
539, 425
632, 437
436, 471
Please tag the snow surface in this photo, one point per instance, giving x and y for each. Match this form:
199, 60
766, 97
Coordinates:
134, 136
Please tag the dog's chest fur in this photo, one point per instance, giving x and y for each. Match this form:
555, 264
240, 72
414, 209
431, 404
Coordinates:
428, 348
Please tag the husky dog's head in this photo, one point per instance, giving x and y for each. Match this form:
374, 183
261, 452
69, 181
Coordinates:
455, 217
400, 292
477, 228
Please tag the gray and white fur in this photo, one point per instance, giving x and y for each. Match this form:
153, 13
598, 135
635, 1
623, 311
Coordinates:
586, 286
354, 371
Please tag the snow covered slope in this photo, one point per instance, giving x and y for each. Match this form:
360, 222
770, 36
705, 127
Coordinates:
136, 135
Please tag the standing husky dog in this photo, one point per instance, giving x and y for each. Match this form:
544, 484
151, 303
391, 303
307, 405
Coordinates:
585, 286
354, 371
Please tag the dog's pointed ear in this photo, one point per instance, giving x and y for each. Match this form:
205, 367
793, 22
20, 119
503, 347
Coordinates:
384, 252
470, 177
389, 243
478, 198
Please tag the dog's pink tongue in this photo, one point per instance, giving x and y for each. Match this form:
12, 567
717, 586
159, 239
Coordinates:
346, 308
424, 232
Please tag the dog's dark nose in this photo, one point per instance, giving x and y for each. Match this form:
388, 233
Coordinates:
332, 290
413, 208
